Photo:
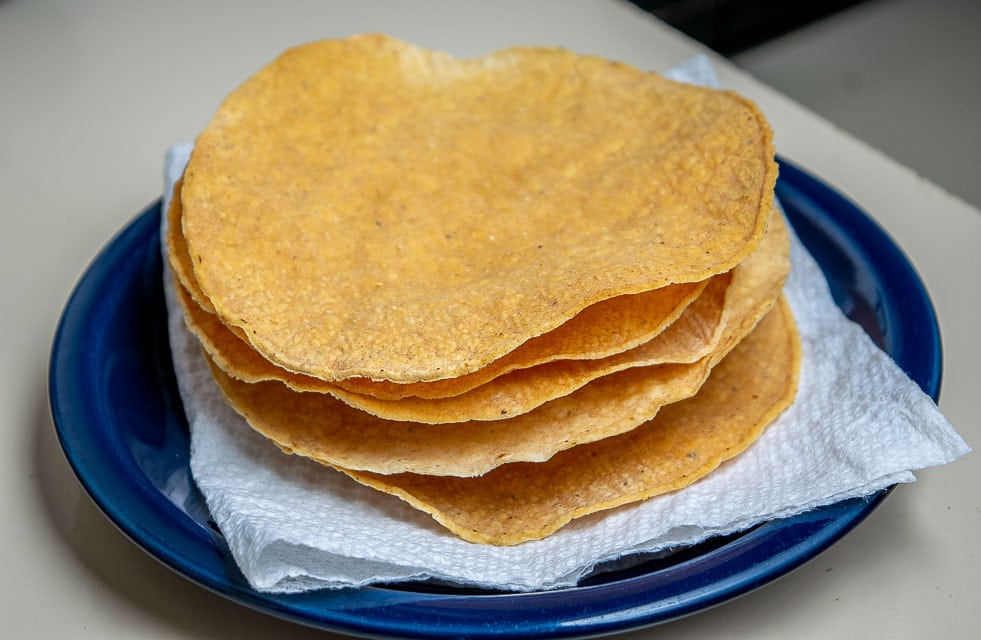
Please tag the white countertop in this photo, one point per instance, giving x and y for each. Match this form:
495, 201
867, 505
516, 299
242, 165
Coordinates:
93, 93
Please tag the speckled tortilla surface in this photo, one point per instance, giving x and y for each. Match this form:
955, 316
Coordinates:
367, 208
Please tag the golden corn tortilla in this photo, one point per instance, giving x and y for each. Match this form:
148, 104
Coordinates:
318, 426
687, 440
694, 336
367, 208
177, 255
600, 330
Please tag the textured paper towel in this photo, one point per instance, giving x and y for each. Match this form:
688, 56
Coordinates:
858, 425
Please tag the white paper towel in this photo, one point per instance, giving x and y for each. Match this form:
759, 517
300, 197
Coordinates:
858, 425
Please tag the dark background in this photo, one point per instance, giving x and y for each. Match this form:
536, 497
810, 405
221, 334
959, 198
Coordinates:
732, 26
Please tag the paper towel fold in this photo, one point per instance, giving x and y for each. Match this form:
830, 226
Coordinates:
858, 425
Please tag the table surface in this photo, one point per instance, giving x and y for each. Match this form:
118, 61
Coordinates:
94, 92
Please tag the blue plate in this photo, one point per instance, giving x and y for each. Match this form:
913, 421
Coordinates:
119, 419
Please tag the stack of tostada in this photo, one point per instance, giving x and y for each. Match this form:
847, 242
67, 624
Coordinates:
511, 290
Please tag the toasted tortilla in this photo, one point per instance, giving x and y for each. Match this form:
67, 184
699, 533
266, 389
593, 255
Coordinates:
693, 337
689, 339
603, 329
519, 502
175, 249
539, 182
321, 427
696, 335
600, 330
